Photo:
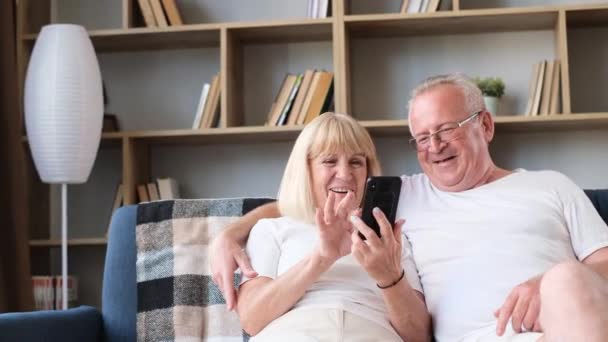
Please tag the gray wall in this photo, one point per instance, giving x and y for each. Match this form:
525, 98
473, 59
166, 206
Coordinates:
160, 90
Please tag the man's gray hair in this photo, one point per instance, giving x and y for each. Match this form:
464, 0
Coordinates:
473, 98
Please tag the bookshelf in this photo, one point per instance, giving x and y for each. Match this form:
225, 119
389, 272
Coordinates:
154, 75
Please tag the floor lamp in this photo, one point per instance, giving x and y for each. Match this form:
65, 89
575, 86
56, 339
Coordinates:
63, 102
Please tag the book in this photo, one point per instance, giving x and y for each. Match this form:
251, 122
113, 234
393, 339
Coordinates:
44, 296
539, 88
175, 18
323, 9
142, 193
282, 98
153, 192
532, 89
404, 4
274, 102
299, 100
547, 84
201, 107
555, 87
212, 103
414, 6
147, 13
433, 6
319, 96
424, 6
159, 14
307, 101
48, 292
292, 95
72, 291
167, 188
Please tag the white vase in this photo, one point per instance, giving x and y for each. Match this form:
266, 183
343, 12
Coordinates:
491, 104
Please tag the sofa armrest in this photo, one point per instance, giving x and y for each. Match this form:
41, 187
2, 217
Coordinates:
78, 324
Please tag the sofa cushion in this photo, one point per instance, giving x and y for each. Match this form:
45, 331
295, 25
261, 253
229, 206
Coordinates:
176, 297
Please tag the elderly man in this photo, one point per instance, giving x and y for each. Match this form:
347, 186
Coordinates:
502, 255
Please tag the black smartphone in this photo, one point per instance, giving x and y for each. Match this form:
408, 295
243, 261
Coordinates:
382, 192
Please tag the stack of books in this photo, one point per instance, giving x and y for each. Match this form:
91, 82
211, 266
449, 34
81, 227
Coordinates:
161, 189
160, 13
301, 98
544, 96
208, 110
318, 9
48, 292
422, 6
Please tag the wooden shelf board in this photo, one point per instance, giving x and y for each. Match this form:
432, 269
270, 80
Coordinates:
449, 22
264, 134
584, 17
507, 123
206, 35
236, 135
110, 139
283, 31
71, 242
143, 38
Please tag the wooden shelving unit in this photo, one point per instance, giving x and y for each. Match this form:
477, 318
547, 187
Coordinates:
232, 38
71, 242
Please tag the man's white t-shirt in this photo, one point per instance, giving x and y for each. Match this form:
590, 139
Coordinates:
276, 245
473, 247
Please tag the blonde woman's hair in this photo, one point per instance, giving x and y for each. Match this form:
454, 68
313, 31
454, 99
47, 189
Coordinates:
473, 98
328, 133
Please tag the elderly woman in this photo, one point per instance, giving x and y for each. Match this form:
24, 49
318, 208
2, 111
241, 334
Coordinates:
317, 279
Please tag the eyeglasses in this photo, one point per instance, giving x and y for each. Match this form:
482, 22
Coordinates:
422, 143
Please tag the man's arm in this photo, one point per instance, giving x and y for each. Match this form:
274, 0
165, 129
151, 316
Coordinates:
227, 254
523, 304
239, 230
598, 261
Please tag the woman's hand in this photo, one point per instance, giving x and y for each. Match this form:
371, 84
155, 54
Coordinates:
335, 227
226, 255
380, 257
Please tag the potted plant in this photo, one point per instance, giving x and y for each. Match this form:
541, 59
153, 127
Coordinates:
492, 88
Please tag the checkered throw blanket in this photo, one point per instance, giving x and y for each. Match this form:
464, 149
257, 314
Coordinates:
176, 297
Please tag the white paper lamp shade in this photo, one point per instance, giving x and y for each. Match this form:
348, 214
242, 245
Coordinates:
63, 104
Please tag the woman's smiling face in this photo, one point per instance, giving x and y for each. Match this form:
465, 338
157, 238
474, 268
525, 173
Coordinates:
337, 172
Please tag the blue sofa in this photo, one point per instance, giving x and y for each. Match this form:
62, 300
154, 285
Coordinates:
117, 320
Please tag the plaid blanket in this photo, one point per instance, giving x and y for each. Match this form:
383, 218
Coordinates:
176, 298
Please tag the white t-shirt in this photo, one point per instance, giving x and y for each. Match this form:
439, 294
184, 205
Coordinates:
473, 247
276, 245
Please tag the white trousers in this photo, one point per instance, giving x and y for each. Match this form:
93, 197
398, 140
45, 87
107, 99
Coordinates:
324, 325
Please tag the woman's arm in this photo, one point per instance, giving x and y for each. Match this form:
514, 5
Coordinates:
407, 312
261, 300
382, 259
227, 254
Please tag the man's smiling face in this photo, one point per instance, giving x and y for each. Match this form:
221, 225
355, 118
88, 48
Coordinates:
456, 165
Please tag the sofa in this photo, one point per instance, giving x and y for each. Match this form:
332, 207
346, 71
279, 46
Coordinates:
117, 319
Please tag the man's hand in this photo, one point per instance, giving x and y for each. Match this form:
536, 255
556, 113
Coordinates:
522, 306
226, 255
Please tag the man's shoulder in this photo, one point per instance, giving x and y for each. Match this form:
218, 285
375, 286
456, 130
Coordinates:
543, 177
415, 179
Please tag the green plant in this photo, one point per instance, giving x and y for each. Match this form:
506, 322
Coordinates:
490, 86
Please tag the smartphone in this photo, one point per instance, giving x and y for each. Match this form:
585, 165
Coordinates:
382, 192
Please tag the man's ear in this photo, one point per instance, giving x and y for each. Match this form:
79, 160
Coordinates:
487, 124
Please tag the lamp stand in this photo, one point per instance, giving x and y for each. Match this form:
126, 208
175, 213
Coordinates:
64, 246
